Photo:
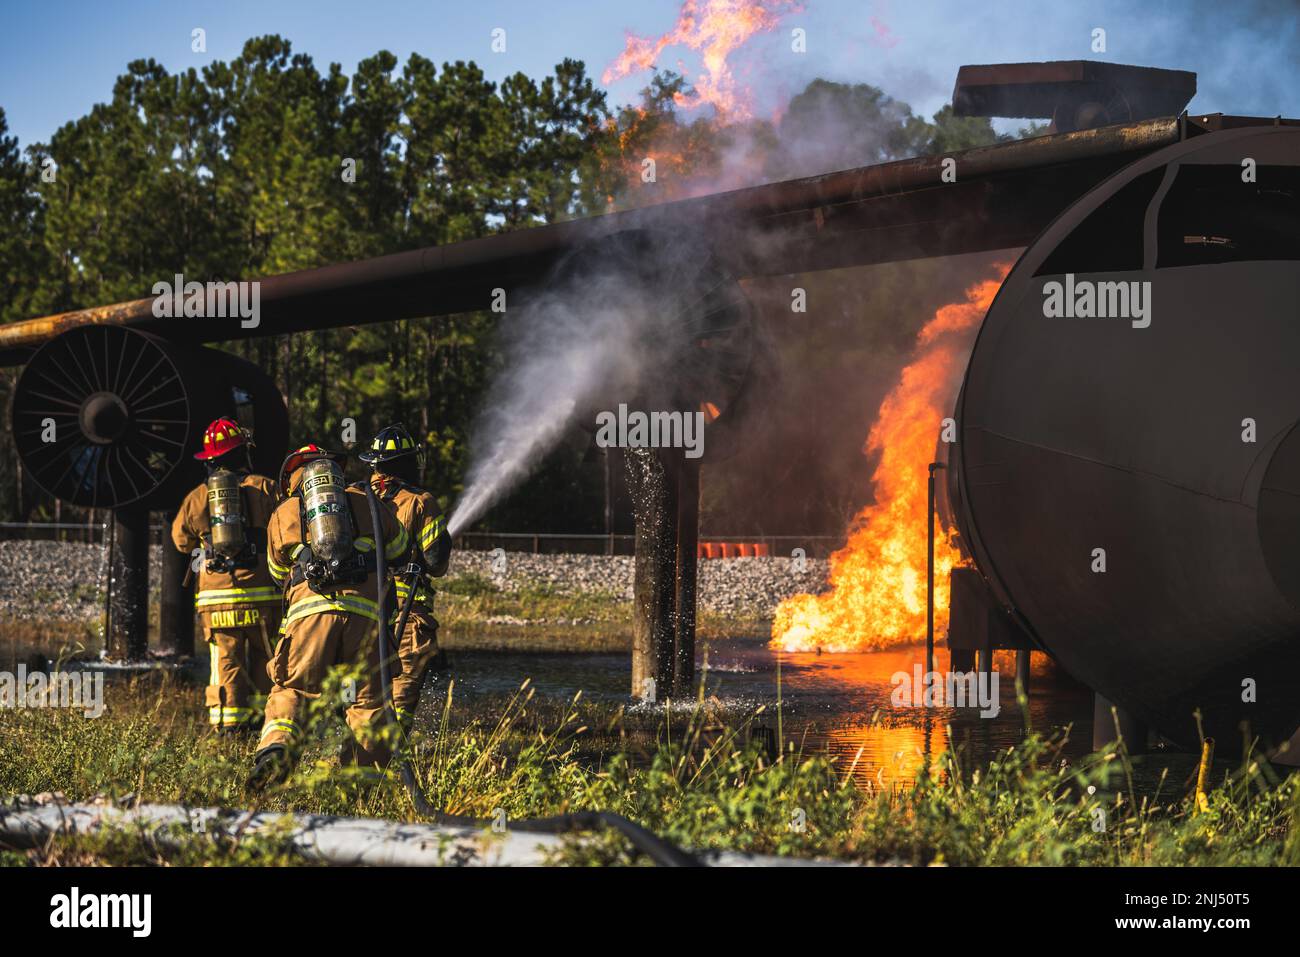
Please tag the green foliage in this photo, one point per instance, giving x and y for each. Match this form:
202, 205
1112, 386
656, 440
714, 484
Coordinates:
21, 259
951, 133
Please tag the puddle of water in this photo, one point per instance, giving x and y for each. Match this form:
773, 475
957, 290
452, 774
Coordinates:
837, 703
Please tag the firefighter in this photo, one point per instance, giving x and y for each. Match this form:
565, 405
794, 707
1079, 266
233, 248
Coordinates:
321, 548
397, 462
237, 601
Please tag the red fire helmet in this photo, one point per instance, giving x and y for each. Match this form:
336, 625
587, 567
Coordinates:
220, 437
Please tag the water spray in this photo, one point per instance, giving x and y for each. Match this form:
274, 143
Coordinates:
645, 318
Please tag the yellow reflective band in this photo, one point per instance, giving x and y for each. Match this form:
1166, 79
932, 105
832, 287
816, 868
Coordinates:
398, 545
422, 596
429, 534
278, 570
287, 725
349, 604
235, 596
392, 445
364, 544
293, 552
232, 716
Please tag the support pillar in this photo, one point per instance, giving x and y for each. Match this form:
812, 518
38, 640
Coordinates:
609, 505
688, 538
1133, 731
654, 504
127, 634
929, 568
962, 660
1023, 669
176, 601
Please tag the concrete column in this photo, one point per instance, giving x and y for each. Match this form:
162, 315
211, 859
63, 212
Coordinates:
1022, 669
127, 636
961, 660
688, 537
1133, 731
654, 505
176, 601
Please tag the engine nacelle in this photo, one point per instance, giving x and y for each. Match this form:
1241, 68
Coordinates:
1129, 485
105, 416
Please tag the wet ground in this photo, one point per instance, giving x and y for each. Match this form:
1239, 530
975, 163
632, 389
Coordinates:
838, 703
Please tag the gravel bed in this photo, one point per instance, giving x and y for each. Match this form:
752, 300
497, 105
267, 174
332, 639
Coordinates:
49, 580
748, 587
65, 580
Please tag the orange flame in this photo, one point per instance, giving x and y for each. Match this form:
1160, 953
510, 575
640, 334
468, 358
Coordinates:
716, 29
674, 148
878, 579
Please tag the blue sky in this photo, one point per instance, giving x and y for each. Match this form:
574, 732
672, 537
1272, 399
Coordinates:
58, 57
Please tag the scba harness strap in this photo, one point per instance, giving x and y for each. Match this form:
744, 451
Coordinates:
246, 560
322, 578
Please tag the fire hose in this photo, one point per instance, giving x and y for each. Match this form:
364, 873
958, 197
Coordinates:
656, 848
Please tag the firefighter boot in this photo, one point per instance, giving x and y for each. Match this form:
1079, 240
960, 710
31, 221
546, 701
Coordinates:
271, 766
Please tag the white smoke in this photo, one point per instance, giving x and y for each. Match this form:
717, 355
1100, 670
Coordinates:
603, 331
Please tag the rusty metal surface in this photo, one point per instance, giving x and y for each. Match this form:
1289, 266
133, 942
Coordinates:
1038, 90
33, 332
1003, 196
1213, 122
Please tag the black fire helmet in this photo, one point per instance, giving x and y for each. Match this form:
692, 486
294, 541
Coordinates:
391, 443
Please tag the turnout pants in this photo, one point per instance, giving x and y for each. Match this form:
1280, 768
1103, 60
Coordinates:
239, 647
309, 648
416, 649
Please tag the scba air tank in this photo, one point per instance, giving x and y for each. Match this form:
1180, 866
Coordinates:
226, 514
326, 512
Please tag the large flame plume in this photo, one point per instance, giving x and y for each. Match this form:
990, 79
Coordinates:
878, 579
715, 29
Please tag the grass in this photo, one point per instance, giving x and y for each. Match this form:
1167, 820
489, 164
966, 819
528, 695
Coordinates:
689, 775
481, 616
